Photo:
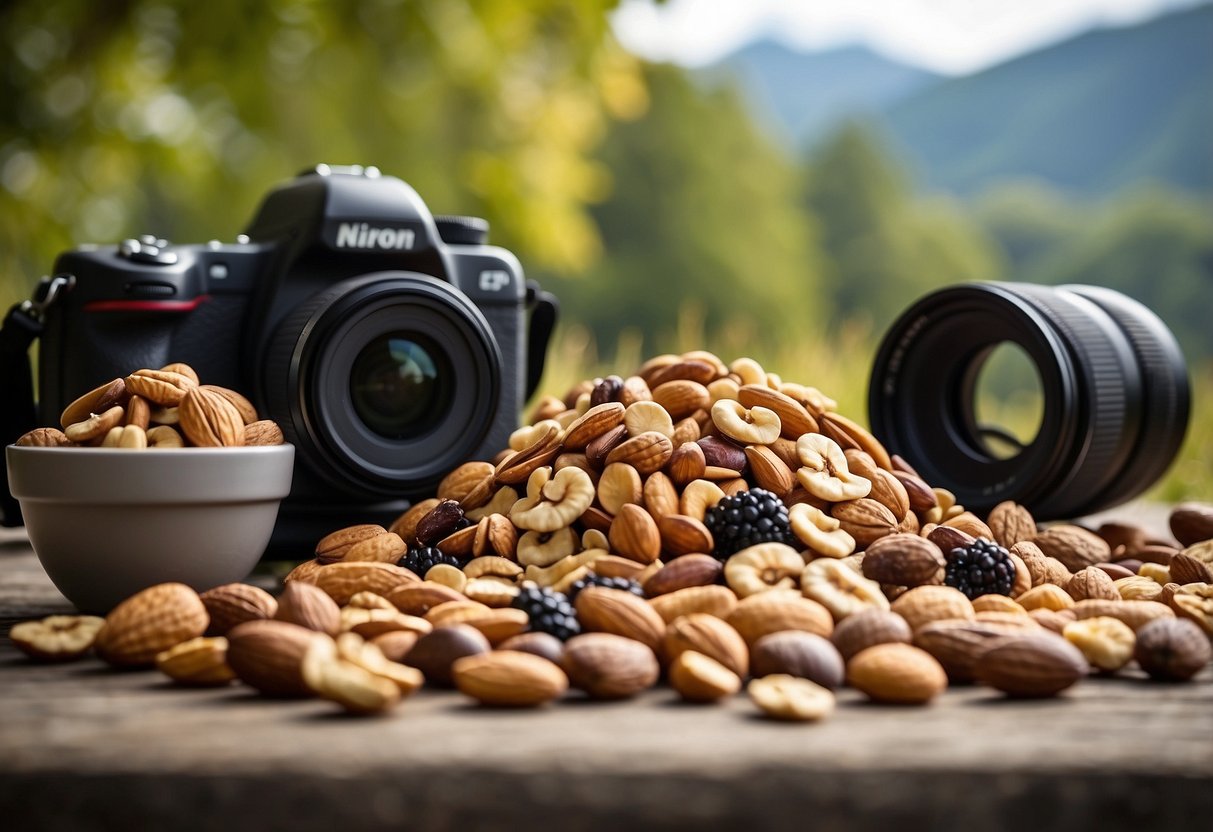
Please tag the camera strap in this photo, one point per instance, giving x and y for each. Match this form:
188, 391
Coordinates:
22, 326
544, 309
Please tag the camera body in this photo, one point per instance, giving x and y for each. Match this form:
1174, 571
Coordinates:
390, 345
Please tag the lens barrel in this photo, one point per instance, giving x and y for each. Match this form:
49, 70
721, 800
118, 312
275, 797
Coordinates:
384, 382
1112, 378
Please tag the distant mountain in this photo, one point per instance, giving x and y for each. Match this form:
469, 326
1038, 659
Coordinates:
800, 95
1088, 115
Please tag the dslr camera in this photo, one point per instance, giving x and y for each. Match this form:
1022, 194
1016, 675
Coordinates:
389, 344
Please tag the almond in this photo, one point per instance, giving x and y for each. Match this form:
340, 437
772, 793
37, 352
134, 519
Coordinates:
268, 655
310, 607
1074, 546
1192, 523
595, 422
1031, 666
682, 572
770, 612
233, 604
97, 400
435, 653
958, 644
681, 397
620, 612
208, 419
769, 471
686, 463
608, 666
714, 600
508, 678
868, 628
897, 673
683, 535
150, 622
865, 520
334, 546
800, 654
922, 605
418, 598
646, 452
635, 535
710, 636
162, 387
343, 580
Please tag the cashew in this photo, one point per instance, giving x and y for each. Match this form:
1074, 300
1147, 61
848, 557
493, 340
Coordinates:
501, 503
559, 501
129, 436
820, 532
549, 575
824, 473
756, 426
812, 398
163, 436
724, 388
698, 497
645, 416
840, 589
545, 548
762, 568
749, 370
526, 436
595, 539
96, 425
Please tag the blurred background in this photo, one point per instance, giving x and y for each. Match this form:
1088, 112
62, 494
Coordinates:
771, 178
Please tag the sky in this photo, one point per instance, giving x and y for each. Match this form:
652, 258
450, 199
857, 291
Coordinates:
948, 36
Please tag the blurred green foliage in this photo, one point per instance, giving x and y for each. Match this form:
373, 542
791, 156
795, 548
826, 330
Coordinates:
657, 210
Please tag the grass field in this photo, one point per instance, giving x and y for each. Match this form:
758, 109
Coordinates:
838, 365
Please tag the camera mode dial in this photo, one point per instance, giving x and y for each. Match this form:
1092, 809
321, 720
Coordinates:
148, 250
462, 231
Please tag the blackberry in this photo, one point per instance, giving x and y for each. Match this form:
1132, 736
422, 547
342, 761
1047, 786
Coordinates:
748, 518
550, 611
980, 568
424, 558
609, 583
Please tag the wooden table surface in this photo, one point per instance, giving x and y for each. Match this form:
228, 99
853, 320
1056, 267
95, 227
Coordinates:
83, 747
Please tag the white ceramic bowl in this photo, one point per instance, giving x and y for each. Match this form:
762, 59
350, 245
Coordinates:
107, 522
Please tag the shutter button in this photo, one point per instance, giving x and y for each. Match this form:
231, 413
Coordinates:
149, 250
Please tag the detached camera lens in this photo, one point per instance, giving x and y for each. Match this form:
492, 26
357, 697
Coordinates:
1066, 399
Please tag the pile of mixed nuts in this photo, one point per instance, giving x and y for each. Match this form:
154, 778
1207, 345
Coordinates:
850, 570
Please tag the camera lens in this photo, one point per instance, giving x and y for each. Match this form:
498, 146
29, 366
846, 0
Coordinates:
384, 382
1066, 399
401, 384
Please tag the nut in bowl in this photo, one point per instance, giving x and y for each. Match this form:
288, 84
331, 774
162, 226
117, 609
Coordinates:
108, 522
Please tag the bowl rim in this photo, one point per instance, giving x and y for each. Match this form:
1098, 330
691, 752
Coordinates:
172, 476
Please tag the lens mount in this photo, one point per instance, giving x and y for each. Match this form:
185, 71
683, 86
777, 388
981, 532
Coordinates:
1112, 380
385, 382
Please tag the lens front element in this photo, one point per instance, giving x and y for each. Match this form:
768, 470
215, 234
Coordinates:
400, 385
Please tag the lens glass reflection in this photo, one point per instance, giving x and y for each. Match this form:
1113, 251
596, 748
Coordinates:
400, 385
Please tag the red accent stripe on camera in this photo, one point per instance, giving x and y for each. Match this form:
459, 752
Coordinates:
145, 305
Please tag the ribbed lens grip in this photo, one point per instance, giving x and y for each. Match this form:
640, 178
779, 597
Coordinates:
1107, 375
